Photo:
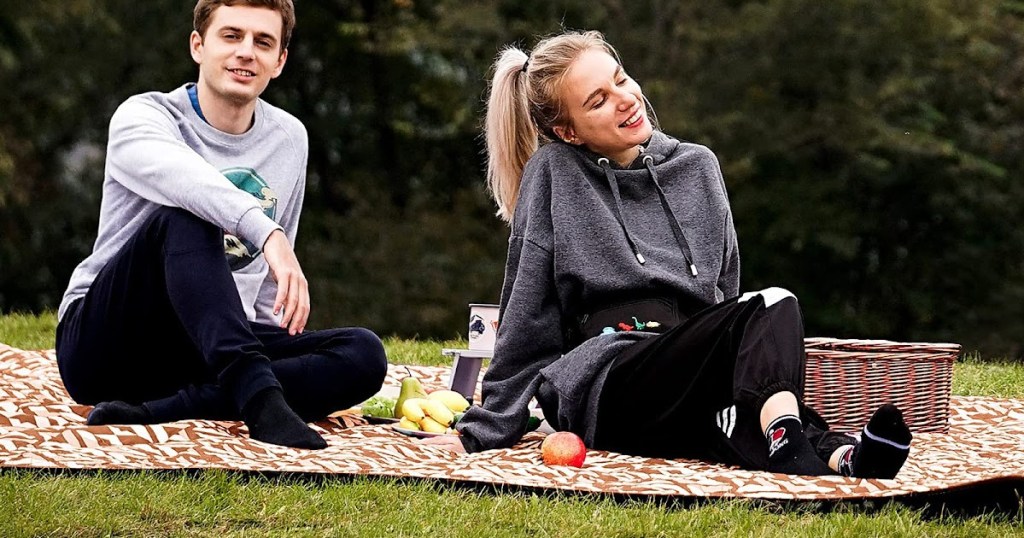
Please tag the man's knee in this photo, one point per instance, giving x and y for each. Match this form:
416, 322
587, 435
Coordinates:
366, 345
354, 371
173, 223
358, 354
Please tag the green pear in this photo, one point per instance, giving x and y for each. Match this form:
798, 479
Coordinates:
411, 388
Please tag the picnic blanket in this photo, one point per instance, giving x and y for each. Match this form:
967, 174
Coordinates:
40, 427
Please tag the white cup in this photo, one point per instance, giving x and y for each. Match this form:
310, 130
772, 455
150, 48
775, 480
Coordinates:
483, 326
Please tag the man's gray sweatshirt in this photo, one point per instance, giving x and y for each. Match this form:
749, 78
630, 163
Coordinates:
576, 247
161, 153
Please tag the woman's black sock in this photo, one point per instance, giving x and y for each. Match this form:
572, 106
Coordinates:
271, 420
790, 452
883, 448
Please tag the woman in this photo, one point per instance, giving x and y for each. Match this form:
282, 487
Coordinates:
620, 309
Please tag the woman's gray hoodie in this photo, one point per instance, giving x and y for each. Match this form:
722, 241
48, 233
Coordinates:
577, 246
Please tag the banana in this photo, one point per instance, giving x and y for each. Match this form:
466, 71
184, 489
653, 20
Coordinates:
437, 411
408, 424
451, 399
413, 410
430, 425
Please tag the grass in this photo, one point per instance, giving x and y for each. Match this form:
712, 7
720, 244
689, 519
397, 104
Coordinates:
42, 503
974, 377
28, 331
225, 504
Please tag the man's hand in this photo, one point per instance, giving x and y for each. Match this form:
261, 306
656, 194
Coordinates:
448, 442
292, 287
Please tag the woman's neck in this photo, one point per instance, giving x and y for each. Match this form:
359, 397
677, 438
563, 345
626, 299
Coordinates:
626, 157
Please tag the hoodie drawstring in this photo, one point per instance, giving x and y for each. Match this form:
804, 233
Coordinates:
613, 182
676, 230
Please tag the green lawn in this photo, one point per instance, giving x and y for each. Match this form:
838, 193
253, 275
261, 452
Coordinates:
34, 503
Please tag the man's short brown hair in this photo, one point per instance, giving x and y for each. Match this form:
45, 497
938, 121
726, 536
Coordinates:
205, 8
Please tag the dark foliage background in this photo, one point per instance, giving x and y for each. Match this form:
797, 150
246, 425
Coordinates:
873, 149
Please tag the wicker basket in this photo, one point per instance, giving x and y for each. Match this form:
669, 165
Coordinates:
846, 380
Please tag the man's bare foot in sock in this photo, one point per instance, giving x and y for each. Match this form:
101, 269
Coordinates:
271, 420
118, 412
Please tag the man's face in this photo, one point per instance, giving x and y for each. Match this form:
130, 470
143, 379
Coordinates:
240, 53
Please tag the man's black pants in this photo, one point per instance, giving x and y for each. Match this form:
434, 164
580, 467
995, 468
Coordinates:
163, 325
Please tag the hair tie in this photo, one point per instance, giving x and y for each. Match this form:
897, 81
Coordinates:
526, 64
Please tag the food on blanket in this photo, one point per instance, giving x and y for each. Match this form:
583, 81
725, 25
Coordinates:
563, 448
419, 410
431, 413
430, 425
411, 388
451, 399
412, 409
438, 411
407, 424
379, 406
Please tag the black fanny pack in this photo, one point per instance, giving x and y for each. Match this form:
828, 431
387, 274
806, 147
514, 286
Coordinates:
651, 315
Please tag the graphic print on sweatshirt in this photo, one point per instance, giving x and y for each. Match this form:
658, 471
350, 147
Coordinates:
241, 252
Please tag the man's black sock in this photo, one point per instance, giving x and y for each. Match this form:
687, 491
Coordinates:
790, 452
271, 420
883, 448
118, 412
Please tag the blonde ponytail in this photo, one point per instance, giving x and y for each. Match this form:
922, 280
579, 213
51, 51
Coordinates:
511, 133
525, 105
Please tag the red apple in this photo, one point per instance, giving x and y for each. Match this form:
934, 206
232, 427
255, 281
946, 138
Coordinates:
563, 448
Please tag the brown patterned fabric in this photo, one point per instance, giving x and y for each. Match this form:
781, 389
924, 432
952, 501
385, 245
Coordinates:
41, 428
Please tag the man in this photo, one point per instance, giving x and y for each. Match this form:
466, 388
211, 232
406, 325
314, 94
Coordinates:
192, 303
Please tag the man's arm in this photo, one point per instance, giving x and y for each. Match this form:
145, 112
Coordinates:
292, 286
146, 155
275, 293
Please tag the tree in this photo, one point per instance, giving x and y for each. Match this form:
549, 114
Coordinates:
66, 66
871, 149
868, 150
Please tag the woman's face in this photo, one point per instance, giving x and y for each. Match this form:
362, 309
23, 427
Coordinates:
605, 107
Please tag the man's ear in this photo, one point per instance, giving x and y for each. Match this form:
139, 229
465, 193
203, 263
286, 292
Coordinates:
567, 134
195, 46
280, 64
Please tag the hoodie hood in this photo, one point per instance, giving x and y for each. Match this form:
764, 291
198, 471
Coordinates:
660, 147
660, 226
656, 150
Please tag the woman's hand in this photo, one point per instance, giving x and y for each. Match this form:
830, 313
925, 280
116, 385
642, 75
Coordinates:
447, 442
